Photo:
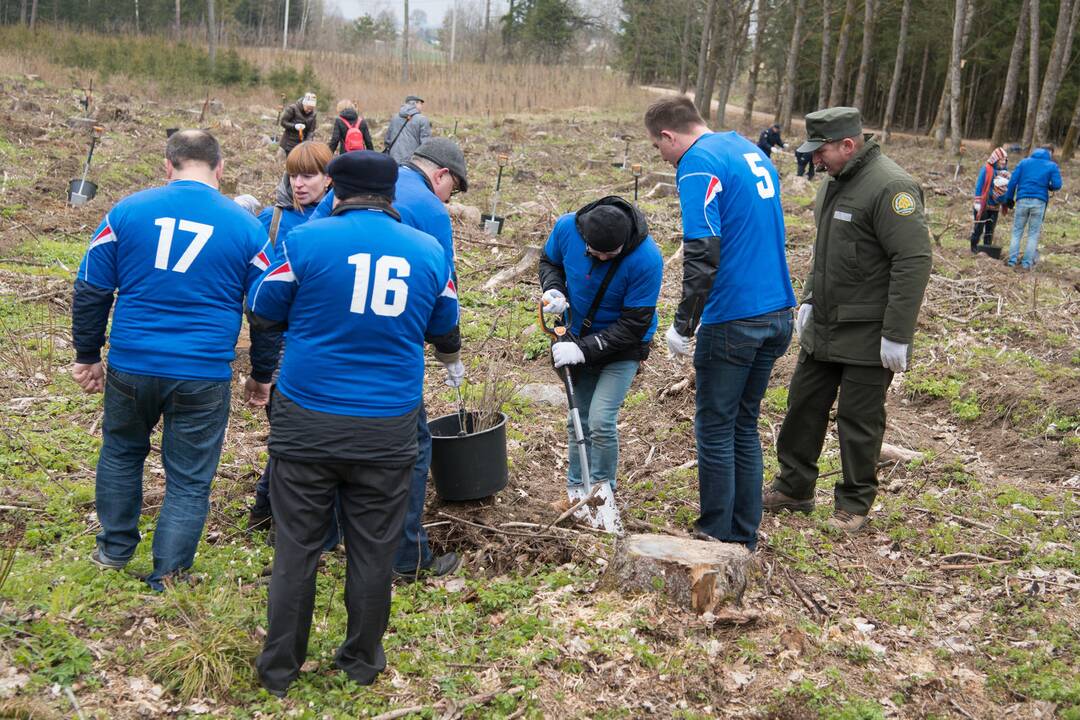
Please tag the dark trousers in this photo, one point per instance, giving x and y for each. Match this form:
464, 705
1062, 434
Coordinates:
733, 362
860, 423
984, 227
805, 164
373, 503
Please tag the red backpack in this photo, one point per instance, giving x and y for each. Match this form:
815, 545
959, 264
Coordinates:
354, 139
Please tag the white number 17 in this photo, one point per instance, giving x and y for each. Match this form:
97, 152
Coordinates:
165, 238
765, 185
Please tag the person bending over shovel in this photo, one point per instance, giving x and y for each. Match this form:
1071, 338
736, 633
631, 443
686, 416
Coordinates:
601, 270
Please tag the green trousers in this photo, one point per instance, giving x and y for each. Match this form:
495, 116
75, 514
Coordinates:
860, 423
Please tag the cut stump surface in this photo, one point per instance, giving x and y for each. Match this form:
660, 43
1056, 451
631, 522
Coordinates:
696, 574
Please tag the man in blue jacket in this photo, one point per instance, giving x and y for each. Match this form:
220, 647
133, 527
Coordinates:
736, 300
434, 173
1029, 189
179, 258
359, 293
610, 331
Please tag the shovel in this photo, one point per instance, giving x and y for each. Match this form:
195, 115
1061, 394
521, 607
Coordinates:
82, 191
605, 513
635, 170
492, 224
626, 153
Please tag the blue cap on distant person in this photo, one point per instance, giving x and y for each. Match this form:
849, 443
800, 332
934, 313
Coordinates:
363, 172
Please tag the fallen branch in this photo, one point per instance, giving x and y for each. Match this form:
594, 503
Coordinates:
481, 699
504, 277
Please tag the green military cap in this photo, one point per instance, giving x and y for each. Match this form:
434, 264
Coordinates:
835, 123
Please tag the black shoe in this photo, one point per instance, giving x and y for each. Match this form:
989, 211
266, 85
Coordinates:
698, 534
258, 518
441, 565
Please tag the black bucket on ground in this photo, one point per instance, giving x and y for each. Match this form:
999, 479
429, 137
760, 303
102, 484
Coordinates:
469, 466
993, 251
80, 192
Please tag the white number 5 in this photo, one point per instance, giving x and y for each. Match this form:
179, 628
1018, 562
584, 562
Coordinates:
384, 286
165, 238
764, 186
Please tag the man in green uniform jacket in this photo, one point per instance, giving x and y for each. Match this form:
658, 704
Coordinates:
857, 319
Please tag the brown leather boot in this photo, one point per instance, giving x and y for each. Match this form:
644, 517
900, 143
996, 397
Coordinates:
774, 501
848, 522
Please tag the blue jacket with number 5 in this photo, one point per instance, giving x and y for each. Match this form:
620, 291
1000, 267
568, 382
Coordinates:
178, 259
358, 292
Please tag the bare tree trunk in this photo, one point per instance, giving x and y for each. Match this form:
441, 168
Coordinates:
922, 84
823, 69
136, 17
1068, 148
712, 66
487, 29
790, 67
839, 78
1012, 78
33, 13
974, 81
303, 22
405, 46
1055, 67
898, 66
864, 61
954, 74
22, 12
755, 62
703, 57
1033, 76
211, 32
941, 121
177, 26
736, 42
684, 49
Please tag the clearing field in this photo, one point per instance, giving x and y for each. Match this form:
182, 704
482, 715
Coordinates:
961, 600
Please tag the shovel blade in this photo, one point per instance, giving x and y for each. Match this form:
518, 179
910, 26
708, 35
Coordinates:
492, 224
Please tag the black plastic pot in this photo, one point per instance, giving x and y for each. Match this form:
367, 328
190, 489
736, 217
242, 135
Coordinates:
469, 466
81, 191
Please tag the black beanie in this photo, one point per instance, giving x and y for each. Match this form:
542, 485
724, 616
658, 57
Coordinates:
605, 227
363, 172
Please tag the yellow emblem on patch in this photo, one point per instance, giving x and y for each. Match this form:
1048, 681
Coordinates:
903, 203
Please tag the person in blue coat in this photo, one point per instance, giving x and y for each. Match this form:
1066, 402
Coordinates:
301, 190
610, 332
434, 173
986, 203
1029, 190
736, 305
359, 294
178, 260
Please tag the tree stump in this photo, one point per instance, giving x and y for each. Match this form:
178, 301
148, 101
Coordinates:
697, 574
661, 190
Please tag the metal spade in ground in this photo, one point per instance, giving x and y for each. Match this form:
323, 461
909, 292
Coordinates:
635, 170
81, 191
492, 224
626, 153
593, 505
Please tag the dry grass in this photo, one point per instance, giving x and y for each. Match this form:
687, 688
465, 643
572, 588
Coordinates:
465, 88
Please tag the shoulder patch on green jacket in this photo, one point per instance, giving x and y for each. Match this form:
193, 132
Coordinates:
903, 203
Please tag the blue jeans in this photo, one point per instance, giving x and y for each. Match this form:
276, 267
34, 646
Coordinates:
600, 392
1029, 212
733, 361
196, 413
414, 552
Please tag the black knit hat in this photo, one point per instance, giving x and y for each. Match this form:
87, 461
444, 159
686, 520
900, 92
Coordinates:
605, 228
363, 172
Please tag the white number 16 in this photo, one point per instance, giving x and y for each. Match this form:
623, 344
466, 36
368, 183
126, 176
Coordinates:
389, 294
765, 185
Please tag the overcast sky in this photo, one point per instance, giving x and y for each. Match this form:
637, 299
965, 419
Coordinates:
435, 9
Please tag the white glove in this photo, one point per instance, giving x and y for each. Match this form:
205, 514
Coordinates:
455, 373
567, 353
299, 126
678, 345
894, 355
554, 302
804, 316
